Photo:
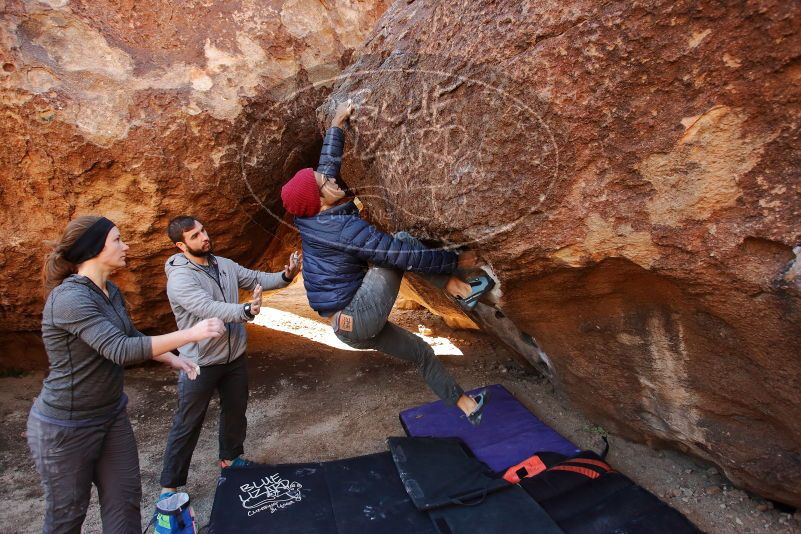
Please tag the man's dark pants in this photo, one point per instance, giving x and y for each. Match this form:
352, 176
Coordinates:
231, 381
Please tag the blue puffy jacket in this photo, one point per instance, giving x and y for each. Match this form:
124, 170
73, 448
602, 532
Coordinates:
338, 245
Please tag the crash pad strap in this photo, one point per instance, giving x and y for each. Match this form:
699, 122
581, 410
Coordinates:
589, 461
589, 473
534, 466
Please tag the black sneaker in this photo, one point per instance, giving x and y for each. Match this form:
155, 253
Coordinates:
481, 398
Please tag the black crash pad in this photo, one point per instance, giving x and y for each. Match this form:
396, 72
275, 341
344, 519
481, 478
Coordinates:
442, 471
360, 495
509, 511
601, 501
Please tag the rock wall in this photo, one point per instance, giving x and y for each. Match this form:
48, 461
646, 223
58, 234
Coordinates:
631, 173
143, 110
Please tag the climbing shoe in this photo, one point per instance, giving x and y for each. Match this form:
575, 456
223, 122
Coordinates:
481, 398
479, 285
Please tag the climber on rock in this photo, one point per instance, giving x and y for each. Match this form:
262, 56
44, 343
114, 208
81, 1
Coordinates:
353, 270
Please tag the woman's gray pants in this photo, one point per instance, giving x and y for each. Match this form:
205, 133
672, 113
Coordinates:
370, 308
70, 460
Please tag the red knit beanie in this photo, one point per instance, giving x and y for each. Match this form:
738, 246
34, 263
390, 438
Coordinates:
301, 194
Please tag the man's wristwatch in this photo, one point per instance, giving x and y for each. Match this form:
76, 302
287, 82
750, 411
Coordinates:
248, 314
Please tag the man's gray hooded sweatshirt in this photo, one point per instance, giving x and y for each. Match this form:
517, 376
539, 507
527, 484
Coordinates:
195, 295
88, 337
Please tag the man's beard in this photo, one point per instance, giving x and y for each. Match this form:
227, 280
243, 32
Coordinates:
200, 253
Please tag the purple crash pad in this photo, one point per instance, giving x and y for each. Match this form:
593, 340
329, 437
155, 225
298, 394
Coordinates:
507, 435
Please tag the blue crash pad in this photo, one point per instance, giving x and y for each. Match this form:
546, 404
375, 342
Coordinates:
508, 433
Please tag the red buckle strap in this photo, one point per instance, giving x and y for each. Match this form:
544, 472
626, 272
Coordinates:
525, 469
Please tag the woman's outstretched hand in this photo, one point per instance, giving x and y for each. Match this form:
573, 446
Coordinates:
191, 369
207, 328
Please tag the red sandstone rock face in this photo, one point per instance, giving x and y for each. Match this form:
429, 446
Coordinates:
142, 110
632, 175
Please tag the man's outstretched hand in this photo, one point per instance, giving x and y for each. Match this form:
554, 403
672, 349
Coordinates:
342, 114
294, 266
255, 304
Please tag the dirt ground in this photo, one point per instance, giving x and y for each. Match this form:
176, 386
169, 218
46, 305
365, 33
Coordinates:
310, 401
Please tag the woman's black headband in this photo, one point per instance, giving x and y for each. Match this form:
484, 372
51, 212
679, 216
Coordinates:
90, 243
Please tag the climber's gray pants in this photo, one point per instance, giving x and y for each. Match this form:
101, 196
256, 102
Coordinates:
369, 310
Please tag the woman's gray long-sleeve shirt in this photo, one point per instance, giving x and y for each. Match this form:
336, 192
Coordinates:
88, 338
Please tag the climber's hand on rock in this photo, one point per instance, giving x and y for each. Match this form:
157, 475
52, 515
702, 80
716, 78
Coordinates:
342, 114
